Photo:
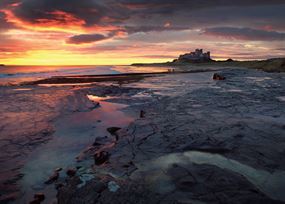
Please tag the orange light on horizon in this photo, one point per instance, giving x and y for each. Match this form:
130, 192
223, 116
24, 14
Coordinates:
55, 58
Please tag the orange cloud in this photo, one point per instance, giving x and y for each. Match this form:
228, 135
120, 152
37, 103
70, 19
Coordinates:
60, 21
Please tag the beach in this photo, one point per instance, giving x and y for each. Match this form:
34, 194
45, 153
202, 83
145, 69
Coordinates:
167, 137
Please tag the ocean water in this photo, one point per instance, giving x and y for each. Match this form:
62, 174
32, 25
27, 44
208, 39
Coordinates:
17, 74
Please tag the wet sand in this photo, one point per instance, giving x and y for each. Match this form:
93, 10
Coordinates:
197, 141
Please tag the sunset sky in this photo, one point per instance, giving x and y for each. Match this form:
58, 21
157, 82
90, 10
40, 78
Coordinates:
73, 32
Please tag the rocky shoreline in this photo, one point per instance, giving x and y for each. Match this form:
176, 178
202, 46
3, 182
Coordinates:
176, 124
193, 140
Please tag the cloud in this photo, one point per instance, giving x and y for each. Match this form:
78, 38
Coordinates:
132, 14
280, 49
145, 29
156, 56
244, 34
87, 38
3, 23
155, 27
89, 11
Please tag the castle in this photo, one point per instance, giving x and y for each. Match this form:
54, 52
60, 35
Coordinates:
197, 56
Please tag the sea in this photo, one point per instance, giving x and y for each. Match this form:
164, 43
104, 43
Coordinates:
10, 75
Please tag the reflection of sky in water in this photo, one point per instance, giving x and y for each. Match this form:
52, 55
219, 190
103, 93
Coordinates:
73, 133
16, 74
138, 69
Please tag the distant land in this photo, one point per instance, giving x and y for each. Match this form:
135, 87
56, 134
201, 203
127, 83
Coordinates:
198, 58
2, 65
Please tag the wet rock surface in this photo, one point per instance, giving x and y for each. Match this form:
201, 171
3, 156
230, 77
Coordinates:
238, 119
28, 115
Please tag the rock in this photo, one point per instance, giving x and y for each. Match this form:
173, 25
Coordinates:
142, 114
100, 187
58, 186
71, 172
38, 198
113, 130
218, 77
52, 178
101, 157
78, 167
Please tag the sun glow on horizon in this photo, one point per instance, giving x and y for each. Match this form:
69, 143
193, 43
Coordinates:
62, 58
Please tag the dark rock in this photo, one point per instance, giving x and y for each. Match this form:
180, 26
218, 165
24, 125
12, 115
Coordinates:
142, 114
113, 130
101, 157
229, 60
71, 172
58, 186
100, 187
52, 178
40, 196
218, 77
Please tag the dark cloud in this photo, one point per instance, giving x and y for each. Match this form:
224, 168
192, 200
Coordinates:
5, 3
171, 6
244, 34
144, 29
280, 49
4, 25
148, 15
90, 11
86, 38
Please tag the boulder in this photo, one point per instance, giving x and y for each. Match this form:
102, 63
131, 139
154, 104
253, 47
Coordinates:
52, 178
218, 77
38, 198
101, 157
71, 172
142, 114
113, 130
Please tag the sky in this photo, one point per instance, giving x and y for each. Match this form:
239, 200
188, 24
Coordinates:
97, 32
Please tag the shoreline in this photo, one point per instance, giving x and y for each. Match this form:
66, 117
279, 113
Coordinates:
140, 155
152, 154
269, 65
124, 77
